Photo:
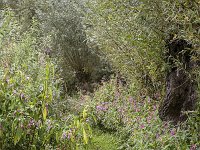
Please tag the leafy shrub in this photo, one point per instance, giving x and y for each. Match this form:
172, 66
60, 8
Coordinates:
79, 62
28, 88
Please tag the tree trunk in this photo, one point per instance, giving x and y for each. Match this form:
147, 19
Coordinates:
180, 84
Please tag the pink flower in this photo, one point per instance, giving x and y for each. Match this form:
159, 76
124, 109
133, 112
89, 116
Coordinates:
149, 119
142, 126
69, 135
172, 132
154, 107
193, 147
149, 99
64, 135
101, 108
130, 99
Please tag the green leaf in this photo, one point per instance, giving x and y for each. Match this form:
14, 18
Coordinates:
44, 112
57, 137
78, 124
18, 135
84, 113
85, 138
33, 147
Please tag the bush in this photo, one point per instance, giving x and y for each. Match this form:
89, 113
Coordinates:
79, 62
28, 88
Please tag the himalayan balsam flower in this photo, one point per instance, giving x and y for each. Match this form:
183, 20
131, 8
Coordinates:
31, 123
22, 96
172, 132
148, 99
142, 126
154, 107
100, 108
193, 147
64, 135
69, 135
149, 119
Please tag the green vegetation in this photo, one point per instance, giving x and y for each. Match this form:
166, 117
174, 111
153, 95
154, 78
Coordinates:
78, 75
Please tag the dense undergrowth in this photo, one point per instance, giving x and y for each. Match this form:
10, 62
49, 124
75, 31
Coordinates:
37, 112
29, 89
133, 118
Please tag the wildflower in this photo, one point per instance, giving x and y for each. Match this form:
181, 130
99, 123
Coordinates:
154, 107
172, 132
193, 147
130, 99
105, 103
38, 123
148, 99
64, 135
142, 126
31, 123
149, 119
69, 135
98, 107
101, 108
22, 96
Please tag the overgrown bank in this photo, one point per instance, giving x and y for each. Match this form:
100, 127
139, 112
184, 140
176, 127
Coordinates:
50, 53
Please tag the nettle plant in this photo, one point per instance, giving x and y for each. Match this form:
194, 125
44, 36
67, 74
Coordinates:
28, 86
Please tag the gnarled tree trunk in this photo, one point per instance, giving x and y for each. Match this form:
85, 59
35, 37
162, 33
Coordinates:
180, 84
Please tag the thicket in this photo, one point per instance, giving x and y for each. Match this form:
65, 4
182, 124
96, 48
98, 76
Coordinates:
134, 35
51, 48
81, 63
61, 26
30, 91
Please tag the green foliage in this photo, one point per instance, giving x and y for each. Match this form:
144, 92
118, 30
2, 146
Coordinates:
28, 88
134, 119
49, 38
62, 21
133, 34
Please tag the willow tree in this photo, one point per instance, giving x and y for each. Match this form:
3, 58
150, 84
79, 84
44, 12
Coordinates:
62, 36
